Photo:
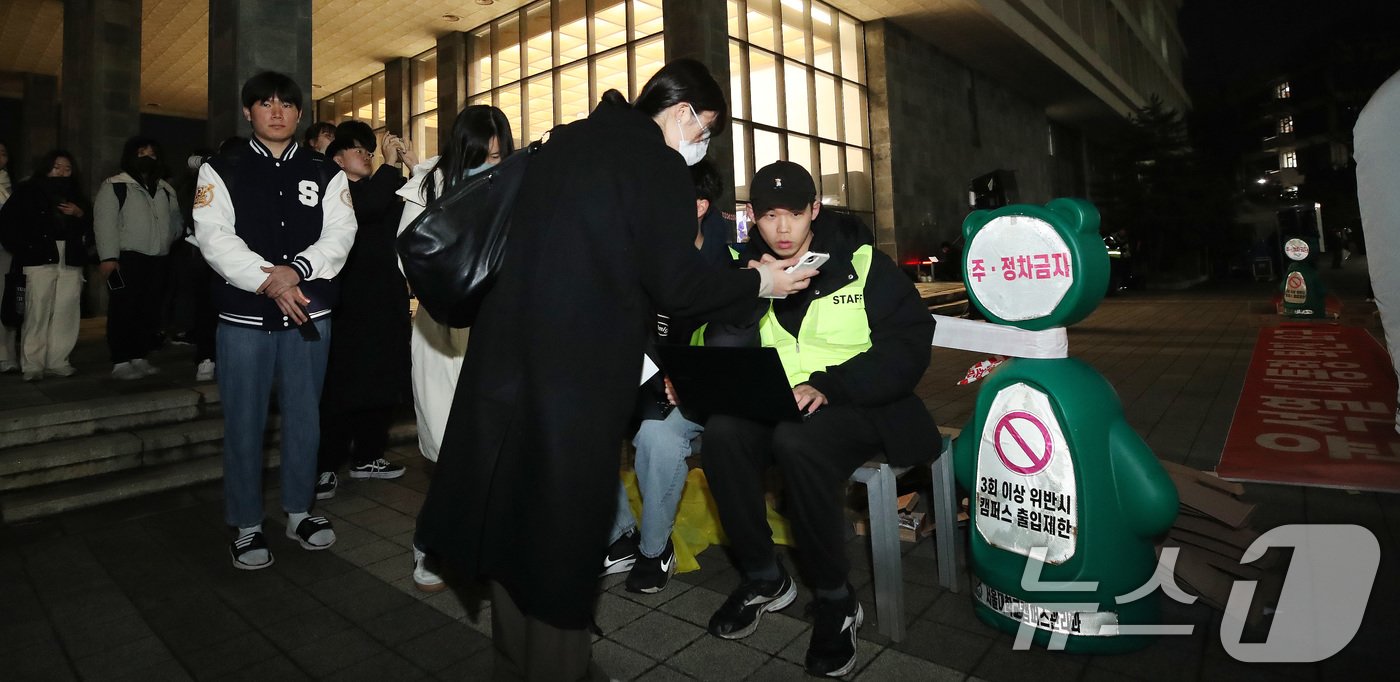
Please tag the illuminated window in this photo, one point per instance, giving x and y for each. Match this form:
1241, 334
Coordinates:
549, 62
798, 83
1283, 91
423, 104
1285, 125
363, 101
1288, 159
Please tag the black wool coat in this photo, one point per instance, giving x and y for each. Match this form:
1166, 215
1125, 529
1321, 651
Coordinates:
526, 484
368, 365
31, 224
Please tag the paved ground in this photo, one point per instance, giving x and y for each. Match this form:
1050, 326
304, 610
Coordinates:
143, 589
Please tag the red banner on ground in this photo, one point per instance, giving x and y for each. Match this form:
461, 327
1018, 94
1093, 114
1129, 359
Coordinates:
1317, 409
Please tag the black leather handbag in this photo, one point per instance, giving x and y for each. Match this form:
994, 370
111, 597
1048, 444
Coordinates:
452, 252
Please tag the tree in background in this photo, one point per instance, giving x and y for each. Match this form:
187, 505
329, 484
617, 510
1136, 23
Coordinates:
1173, 210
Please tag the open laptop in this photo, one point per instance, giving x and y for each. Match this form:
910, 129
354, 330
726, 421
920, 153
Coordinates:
741, 382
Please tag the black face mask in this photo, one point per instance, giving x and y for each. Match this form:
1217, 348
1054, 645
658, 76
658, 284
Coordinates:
147, 171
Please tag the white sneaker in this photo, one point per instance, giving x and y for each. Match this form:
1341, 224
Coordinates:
125, 371
424, 578
146, 368
7, 367
205, 371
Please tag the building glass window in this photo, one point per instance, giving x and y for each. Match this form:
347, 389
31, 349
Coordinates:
798, 83
550, 61
1285, 125
423, 104
363, 101
1283, 91
1288, 159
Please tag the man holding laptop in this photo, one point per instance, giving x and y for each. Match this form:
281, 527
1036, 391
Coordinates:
853, 346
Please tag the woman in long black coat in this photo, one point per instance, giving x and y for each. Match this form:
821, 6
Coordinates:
602, 233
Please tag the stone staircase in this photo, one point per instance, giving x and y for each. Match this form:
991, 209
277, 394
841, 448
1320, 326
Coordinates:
944, 298
70, 455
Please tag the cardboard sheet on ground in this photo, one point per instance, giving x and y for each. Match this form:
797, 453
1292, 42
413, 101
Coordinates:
697, 521
1317, 409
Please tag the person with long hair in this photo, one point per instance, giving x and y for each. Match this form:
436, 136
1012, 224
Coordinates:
602, 235
136, 219
46, 228
480, 138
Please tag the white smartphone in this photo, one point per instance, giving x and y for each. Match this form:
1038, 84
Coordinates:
810, 261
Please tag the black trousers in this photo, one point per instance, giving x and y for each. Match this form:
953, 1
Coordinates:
353, 435
816, 457
134, 311
205, 323
529, 649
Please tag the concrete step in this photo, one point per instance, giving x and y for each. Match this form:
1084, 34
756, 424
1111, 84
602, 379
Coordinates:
58, 461
168, 458
947, 293
51, 423
951, 308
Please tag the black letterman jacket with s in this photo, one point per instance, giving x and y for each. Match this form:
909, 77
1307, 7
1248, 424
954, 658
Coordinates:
253, 209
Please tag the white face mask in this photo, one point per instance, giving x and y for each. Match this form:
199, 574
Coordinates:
692, 152
478, 169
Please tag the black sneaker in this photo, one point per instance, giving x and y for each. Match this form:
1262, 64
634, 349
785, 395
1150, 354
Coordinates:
739, 615
379, 468
832, 650
622, 554
325, 485
650, 574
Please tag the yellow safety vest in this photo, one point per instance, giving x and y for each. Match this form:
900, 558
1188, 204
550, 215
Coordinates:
834, 330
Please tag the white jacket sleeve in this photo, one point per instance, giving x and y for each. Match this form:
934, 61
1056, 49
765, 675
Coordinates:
325, 258
226, 253
176, 221
106, 217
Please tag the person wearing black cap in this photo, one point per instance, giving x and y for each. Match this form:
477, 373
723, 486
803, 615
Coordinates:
367, 371
853, 345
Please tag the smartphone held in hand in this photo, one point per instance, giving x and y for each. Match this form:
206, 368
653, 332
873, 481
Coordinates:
115, 281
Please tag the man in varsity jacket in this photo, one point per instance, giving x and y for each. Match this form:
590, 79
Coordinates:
274, 220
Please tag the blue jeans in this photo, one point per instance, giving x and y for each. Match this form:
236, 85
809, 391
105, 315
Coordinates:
662, 446
251, 361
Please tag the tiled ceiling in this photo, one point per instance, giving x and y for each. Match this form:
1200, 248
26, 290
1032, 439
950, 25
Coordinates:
351, 40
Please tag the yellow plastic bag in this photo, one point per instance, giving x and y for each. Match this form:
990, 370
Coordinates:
697, 521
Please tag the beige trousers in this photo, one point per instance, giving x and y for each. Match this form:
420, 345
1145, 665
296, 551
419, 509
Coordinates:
51, 315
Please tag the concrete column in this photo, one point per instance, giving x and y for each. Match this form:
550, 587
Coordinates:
881, 139
452, 81
396, 95
247, 37
700, 31
101, 82
39, 118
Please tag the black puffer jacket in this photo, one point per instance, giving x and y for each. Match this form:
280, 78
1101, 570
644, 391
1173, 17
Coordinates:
881, 379
31, 225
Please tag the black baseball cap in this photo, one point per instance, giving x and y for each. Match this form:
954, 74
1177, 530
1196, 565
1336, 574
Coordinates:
781, 184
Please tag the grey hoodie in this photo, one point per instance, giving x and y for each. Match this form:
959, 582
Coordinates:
145, 224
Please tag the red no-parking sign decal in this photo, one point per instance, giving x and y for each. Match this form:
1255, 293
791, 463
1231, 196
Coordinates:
1026, 495
1023, 443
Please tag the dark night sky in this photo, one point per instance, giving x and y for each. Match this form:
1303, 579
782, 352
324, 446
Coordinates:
1232, 40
